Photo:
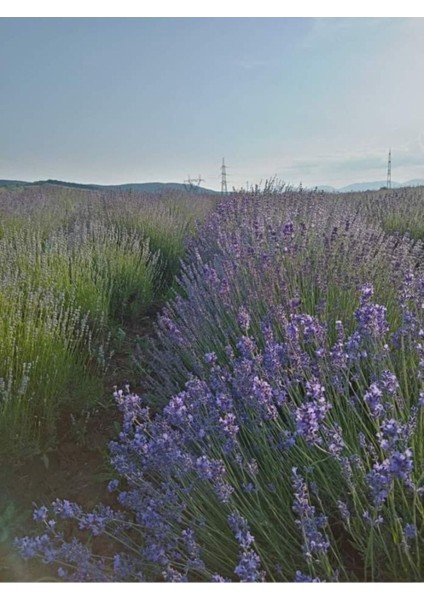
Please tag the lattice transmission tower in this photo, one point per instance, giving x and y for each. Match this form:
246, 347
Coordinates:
389, 170
192, 184
223, 178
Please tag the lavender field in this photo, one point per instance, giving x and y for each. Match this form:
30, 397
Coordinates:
273, 426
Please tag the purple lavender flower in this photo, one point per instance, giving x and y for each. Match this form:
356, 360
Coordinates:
264, 395
410, 531
380, 482
248, 568
113, 485
344, 511
171, 575
373, 399
172, 329
354, 349
249, 487
40, 514
389, 383
339, 356
30, 547
211, 276
224, 402
334, 440
213, 470
244, 319
311, 414
273, 358
192, 548
367, 292
240, 528
210, 469
288, 229
218, 579
372, 320
62, 573
390, 433
315, 541
292, 332
302, 578
401, 464
374, 522
177, 411
229, 424
66, 510
97, 521
210, 358
247, 347
362, 439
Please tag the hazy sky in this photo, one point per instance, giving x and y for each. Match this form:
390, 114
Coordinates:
143, 99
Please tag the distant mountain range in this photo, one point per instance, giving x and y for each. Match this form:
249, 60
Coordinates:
370, 185
151, 187
156, 186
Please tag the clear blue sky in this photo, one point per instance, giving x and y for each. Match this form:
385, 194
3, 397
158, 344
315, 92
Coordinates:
142, 99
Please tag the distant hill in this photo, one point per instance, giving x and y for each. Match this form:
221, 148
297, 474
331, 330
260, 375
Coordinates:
370, 186
12, 183
414, 182
151, 187
156, 186
326, 188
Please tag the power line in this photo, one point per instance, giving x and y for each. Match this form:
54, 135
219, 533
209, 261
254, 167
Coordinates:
389, 170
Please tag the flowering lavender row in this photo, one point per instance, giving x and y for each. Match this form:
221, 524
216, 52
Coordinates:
289, 442
303, 251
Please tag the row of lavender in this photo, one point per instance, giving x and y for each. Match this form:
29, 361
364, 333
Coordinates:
286, 437
398, 211
74, 266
